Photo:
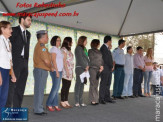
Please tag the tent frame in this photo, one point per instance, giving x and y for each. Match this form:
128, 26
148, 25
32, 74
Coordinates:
74, 2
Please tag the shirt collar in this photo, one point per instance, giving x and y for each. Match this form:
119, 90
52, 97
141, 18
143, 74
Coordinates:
106, 45
2, 37
22, 29
120, 48
139, 54
156, 69
128, 54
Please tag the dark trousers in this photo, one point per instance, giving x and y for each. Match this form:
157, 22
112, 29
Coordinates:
138, 79
118, 81
79, 88
4, 88
16, 90
65, 89
104, 91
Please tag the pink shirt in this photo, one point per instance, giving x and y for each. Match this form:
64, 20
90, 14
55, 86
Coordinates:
148, 68
138, 61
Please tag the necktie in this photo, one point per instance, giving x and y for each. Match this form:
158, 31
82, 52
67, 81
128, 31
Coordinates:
26, 53
24, 36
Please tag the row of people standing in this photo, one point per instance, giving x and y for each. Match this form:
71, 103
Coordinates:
99, 63
60, 63
129, 72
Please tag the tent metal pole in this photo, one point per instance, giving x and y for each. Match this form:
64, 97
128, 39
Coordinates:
5, 6
150, 32
125, 18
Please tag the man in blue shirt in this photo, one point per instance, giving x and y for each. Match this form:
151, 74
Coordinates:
119, 61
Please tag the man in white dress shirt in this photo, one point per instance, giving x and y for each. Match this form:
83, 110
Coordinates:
128, 68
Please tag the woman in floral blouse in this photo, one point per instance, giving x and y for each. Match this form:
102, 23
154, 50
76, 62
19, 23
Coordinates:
67, 75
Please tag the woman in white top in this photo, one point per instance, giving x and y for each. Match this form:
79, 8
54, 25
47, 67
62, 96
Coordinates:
56, 75
5, 62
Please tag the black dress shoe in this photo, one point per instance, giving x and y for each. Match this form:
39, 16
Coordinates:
41, 114
142, 95
97, 103
131, 96
135, 96
102, 102
121, 97
126, 97
110, 101
114, 98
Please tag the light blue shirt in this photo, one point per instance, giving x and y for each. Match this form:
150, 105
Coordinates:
119, 56
129, 64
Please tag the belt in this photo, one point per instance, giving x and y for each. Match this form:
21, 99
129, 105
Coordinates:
118, 65
137, 69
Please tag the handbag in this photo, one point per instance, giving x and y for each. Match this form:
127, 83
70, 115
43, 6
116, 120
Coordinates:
85, 80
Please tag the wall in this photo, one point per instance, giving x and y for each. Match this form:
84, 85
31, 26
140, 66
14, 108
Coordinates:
54, 30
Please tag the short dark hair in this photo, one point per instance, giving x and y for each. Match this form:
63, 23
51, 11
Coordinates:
155, 63
54, 40
40, 35
128, 48
107, 38
95, 43
24, 16
139, 47
66, 43
121, 41
3, 24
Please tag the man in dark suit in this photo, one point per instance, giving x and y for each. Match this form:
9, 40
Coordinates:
106, 76
20, 41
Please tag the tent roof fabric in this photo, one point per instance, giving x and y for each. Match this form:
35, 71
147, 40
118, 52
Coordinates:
104, 16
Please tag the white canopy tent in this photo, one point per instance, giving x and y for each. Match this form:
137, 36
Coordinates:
115, 17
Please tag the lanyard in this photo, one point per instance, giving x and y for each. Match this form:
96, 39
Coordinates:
8, 50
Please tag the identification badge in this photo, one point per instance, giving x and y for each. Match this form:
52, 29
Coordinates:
43, 49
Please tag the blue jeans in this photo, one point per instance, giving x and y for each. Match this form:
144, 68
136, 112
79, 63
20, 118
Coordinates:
128, 84
118, 81
53, 97
4, 88
147, 78
40, 77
